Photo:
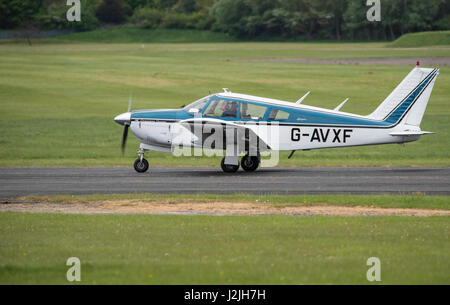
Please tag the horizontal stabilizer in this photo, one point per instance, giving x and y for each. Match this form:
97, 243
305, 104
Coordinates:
409, 133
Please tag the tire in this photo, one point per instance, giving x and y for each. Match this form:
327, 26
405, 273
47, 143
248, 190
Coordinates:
250, 163
141, 167
228, 168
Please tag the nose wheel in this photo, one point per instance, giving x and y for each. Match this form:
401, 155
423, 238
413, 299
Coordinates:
141, 165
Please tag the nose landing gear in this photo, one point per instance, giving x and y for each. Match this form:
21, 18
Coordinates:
141, 165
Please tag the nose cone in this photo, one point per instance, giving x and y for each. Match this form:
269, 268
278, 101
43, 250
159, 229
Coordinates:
124, 118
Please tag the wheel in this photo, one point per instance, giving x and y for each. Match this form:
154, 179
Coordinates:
141, 166
228, 168
250, 163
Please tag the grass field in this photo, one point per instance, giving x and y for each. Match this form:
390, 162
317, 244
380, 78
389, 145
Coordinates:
145, 249
136, 35
58, 99
421, 39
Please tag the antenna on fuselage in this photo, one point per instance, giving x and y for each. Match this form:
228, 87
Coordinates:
340, 105
303, 97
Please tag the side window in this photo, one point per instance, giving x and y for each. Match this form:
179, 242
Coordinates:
221, 109
252, 111
278, 115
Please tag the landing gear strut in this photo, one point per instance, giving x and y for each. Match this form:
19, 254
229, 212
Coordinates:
141, 164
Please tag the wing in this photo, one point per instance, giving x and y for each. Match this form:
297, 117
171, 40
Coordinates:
213, 133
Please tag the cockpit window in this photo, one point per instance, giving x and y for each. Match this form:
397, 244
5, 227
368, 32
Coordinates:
252, 111
199, 105
221, 109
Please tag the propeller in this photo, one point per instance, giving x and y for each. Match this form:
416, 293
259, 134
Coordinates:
130, 100
124, 137
125, 120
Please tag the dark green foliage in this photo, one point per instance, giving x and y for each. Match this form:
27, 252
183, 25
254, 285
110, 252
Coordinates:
14, 12
111, 11
147, 17
284, 19
443, 23
326, 19
152, 18
133, 4
89, 20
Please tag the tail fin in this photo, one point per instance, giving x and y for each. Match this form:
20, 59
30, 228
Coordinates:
407, 103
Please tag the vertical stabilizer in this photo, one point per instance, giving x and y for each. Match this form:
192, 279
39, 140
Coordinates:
409, 99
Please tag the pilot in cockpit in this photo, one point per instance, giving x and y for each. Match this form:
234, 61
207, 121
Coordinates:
230, 109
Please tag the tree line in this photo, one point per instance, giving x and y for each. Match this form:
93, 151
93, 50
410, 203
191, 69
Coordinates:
245, 19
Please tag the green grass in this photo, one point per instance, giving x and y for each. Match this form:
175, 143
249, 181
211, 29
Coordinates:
422, 39
58, 100
145, 249
418, 201
136, 35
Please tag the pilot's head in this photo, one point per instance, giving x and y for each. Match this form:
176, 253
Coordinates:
231, 106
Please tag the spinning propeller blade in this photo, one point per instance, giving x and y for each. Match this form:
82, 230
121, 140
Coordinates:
130, 100
124, 137
126, 125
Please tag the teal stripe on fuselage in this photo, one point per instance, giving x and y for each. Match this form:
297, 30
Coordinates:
169, 114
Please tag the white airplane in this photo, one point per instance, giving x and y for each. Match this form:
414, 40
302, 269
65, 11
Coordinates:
262, 124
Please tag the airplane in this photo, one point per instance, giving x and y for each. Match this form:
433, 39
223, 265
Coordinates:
297, 126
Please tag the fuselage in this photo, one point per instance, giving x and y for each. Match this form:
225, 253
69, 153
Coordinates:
298, 127
249, 125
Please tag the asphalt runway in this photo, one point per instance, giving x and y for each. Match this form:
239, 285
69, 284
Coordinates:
16, 182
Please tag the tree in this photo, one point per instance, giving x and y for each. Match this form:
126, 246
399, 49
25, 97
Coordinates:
134, 4
185, 6
338, 8
231, 16
275, 21
306, 16
89, 19
419, 15
112, 11
15, 12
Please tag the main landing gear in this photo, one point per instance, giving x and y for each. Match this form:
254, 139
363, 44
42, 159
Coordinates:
248, 164
141, 165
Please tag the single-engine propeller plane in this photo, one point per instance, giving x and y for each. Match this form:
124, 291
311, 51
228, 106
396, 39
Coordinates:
297, 126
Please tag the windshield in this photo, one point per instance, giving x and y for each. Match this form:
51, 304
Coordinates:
197, 104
